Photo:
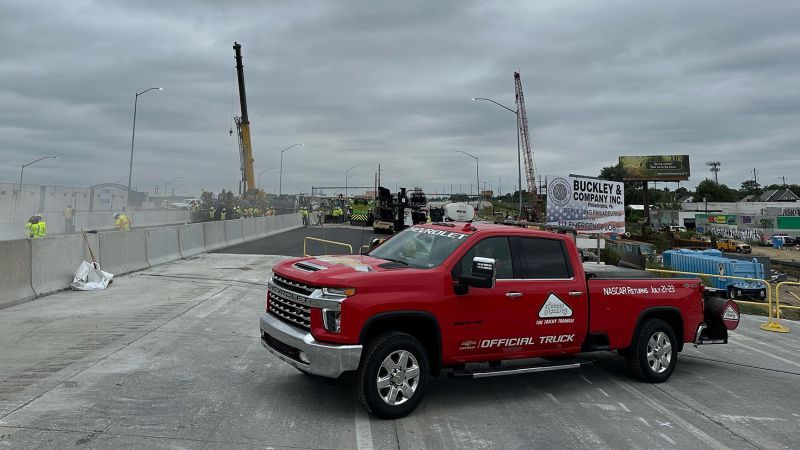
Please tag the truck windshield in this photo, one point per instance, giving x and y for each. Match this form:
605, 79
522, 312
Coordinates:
421, 248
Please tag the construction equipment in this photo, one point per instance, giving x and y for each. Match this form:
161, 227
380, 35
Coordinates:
243, 131
527, 153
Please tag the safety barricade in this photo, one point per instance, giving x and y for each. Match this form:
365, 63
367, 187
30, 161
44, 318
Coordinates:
123, 251
162, 245
15, 276
191, 240
55, 259
325, 244
778, 306
214, 233
772, 323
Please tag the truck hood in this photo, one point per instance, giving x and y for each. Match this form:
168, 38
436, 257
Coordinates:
335, 269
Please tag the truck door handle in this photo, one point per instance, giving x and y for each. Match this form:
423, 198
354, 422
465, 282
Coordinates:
575, 293
513, 294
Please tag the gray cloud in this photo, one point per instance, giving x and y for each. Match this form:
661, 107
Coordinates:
390, 83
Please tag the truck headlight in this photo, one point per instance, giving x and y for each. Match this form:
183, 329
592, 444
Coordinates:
332, 320
339, 292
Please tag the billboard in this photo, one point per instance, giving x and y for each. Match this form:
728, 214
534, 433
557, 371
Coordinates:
589, 205
655, 168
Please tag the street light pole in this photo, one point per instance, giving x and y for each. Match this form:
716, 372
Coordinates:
280, 176
259, 175
477, 177
22, 170
347, 178
133, 137
519, 151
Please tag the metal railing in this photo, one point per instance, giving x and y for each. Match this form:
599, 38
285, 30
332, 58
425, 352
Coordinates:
325, 243
778, 306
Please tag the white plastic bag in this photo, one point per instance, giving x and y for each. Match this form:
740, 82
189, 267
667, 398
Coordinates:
89, 277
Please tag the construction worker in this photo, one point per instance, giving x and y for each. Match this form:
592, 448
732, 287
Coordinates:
304, 212
121, 222
41, 229
29, 230
212, 214
223, 214
69, 222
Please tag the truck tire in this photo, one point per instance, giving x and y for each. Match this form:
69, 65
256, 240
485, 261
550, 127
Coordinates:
654, 352
393, 375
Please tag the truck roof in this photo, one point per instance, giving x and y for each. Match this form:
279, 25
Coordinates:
478, 227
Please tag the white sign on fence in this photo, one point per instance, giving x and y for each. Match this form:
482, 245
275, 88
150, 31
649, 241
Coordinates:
586, 204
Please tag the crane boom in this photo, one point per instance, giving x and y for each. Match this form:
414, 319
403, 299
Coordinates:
243, 125
524, 136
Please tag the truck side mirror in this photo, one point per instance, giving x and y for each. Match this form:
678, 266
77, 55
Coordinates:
482, 275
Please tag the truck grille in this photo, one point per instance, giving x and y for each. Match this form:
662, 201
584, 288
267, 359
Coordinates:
288, 310
291, 285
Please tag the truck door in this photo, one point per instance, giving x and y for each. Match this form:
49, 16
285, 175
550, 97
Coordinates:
553, 301
487, 323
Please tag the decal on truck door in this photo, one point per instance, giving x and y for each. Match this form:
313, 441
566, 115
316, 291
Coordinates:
554, 307
554, 311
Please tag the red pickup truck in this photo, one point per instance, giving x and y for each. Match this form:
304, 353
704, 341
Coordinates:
441, 296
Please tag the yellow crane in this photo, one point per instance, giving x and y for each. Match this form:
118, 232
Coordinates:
243, 129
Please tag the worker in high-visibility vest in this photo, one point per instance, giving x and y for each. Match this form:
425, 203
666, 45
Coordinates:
223, 214
41, 229
304, 212
30, 233
121, 222
212, 214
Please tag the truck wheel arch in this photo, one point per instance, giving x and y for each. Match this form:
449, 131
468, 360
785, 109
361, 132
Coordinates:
668, 314
420, 324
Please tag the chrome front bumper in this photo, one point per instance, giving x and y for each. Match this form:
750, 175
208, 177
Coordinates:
287, 342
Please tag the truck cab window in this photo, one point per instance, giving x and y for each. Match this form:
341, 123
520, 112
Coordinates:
495, 247
543, 258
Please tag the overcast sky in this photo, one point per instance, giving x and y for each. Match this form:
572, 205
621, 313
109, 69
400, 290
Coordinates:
365, 82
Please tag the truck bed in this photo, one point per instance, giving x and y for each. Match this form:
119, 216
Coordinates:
606, 272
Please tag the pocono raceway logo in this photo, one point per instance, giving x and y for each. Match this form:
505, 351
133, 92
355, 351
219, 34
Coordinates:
554, 310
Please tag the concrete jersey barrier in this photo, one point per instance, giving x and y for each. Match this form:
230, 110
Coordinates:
31, 268
214, 234
15, 272
233, 232
191, 240
123, 251
162, 245
249, 228
56, 259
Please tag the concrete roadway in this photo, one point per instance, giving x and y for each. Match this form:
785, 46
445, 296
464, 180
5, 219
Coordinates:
170, 358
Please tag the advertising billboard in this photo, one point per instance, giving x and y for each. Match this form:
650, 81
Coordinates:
589, 205
655, 168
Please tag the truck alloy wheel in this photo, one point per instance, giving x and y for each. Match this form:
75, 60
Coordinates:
659, 352
653, 353
393, 375
398, 377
